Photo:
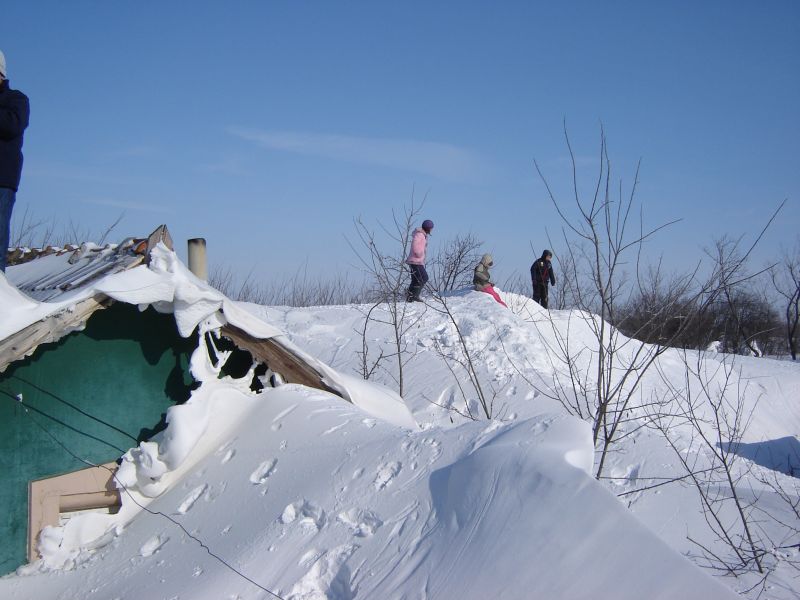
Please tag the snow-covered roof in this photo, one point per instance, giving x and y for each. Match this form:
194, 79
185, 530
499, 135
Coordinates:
45, 274
166, 284
47, 293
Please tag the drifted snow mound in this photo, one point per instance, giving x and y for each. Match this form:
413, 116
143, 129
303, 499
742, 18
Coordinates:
345, 507
512, 520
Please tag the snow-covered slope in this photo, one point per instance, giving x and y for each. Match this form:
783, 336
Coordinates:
517, 353
313, 499
302, 495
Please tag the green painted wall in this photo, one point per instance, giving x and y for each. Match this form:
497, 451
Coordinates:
98, 392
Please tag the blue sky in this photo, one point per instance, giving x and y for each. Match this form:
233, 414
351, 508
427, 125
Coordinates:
266, 127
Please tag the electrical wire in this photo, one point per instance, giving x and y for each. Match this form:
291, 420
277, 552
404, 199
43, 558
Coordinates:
200, 542
17, 400
74, 407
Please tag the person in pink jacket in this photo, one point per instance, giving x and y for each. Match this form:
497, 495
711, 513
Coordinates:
416, 261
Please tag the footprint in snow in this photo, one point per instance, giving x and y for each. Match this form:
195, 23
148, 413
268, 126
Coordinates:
328, 578
336, 428
215, 492
624, 475
385, 474
152, 545
310, 557
191, 498
362, 523
262, 473
304, 513
228, 456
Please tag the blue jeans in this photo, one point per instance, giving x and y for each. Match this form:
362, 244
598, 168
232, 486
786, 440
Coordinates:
7, 198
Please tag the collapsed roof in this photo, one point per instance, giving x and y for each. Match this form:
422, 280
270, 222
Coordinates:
49, 293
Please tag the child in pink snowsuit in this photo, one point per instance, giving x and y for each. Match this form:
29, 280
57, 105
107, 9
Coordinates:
416, 261
482, 280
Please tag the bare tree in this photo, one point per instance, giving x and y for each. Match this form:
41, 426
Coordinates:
786, 281
299, 289
740, 319
381, 253
27, 231
748, 319
451, 267
711, 402
604, 243
462, 360
600, 238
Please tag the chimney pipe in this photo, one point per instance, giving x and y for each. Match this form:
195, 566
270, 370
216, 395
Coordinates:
198, 263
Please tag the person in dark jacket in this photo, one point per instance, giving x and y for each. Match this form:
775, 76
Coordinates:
14, 114
541, 275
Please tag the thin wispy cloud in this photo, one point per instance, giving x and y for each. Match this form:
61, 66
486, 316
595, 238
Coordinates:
141, 151
581, 161
75, 173
229, 165
444, 161
127, 205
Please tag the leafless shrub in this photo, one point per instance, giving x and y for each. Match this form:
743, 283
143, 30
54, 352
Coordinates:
461, 361
598, 383
787, 491
711, 403
28, 231
451, 267
750, 321
662, 311
786, 282
603, 270
297, 290
517, 284
381, 252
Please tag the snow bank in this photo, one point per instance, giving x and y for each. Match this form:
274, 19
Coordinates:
311, 500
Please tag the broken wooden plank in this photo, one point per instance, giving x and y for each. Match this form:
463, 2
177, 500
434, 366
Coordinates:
279, 358
161, 234
50, 329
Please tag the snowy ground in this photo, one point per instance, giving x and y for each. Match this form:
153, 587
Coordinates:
307, 497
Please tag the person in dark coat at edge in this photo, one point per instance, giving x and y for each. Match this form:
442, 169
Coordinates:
14, 114
416, 261
541, 275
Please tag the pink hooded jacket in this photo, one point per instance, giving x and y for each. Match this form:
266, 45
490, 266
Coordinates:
419, 241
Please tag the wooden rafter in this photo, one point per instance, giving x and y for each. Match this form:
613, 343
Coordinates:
279, 358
